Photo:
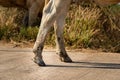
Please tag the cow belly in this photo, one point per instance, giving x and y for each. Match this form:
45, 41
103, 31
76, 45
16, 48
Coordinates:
13, 3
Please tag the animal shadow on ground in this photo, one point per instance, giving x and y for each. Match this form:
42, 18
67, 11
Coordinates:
89, 65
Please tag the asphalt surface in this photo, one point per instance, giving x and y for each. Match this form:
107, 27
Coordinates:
17, 64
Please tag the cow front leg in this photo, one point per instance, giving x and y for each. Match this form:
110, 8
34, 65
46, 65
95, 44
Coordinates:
60, 48
49, 16
39, 45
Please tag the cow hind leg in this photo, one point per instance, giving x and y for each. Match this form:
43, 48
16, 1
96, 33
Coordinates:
25, 19
60, 48
33, 14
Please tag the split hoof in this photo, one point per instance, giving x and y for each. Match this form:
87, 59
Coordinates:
66, 59
39, 62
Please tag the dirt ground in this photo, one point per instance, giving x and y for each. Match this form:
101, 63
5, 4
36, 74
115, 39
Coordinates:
16, 64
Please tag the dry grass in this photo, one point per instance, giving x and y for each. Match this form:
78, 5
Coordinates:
11, 17
90, 26
80, 26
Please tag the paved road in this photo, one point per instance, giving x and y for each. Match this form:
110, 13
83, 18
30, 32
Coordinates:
17, 64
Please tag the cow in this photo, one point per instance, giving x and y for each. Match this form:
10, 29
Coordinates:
54, 13
33, 7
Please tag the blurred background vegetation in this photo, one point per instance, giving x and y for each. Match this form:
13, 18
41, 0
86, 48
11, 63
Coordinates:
87, 26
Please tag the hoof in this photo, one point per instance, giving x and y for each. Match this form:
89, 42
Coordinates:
66, 59
39, 62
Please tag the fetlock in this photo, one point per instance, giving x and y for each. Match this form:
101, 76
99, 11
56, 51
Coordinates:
64, 57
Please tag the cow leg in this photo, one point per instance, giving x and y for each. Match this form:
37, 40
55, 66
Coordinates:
25, 19
60, 48
49, 16
33, 13
46, 1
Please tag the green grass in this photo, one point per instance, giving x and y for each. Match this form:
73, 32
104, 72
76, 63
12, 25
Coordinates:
18, 34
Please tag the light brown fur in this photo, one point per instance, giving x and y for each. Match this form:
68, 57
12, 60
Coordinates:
34, 8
